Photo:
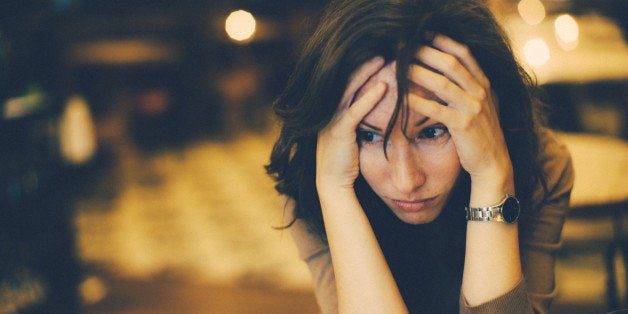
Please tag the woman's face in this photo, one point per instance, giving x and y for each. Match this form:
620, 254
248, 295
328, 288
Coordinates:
419, 171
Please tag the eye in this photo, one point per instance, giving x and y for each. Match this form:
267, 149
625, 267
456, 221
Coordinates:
365, 136
433, 132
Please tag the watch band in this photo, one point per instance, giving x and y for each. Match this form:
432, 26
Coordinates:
490, 213
484, 213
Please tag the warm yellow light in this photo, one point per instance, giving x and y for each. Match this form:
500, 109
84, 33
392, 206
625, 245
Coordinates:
567, 31
531, 11
77, 132
240, 25
93, 290
536, 52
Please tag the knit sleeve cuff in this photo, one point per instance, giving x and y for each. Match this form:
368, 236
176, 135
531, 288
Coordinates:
513, 301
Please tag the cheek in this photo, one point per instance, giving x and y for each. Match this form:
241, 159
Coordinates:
372, 164
444, 165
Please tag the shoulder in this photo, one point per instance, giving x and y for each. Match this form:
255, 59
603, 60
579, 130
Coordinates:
550, 201
555, 163
553, 154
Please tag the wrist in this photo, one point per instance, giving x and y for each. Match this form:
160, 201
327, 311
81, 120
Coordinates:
333, 184
334, 192
488, 190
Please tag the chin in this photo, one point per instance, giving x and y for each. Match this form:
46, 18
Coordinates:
417, 218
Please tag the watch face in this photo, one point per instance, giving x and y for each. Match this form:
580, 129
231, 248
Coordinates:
510, 210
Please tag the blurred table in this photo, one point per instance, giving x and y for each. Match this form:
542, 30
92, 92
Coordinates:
601, 189
601, 164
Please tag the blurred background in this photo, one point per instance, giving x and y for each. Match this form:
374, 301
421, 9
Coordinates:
133, 136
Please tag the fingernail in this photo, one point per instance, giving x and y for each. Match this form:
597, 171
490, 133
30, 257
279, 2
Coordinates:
377, 59
429, 36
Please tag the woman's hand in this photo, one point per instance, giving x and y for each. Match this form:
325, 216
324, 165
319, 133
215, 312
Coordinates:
470, 114
337, 150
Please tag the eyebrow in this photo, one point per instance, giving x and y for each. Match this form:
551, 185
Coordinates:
422, 121
370, 126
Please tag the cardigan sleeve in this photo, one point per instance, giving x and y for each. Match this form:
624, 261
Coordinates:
514, 301
316, 255
318, 259
540, 232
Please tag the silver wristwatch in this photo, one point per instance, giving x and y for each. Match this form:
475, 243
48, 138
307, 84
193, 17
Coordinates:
506, 211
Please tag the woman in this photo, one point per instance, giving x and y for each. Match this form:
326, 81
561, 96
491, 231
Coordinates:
408, 135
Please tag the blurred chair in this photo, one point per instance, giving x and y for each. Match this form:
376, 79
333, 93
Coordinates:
601, 189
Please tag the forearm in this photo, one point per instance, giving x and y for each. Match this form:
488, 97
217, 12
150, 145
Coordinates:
363, 280
492, 260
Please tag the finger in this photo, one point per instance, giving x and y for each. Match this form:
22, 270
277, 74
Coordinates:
358, 78
433, 109
441, 86
360, 108
451, 67
463, 53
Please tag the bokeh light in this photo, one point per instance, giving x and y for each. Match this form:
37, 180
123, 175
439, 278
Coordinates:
567, 31
240, 25
536, 52
531, 11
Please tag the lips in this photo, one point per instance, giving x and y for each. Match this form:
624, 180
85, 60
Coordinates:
413, 206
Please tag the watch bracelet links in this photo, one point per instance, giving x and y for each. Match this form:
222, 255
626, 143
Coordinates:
486, 213
482, 214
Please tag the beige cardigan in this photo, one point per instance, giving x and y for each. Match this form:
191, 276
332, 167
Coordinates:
539, 241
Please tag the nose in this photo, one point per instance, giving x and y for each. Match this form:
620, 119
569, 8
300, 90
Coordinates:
406, 173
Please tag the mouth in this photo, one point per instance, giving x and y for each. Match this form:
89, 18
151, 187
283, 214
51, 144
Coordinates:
413, 206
